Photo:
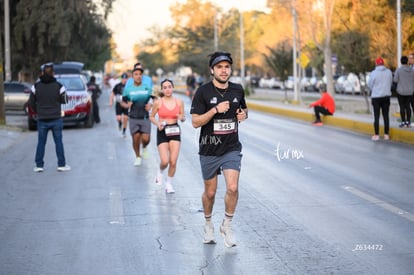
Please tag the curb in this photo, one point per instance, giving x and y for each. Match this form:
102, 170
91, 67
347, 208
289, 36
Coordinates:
396, 134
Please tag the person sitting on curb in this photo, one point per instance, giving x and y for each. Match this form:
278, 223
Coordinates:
325, 105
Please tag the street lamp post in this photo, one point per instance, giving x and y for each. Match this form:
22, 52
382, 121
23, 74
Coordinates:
215, 32
242, 72
295, 56
398, 32
7, 40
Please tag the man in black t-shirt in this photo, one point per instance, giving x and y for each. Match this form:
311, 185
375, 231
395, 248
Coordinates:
218, 107
120, 112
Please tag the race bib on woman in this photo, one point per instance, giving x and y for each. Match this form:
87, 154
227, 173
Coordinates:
172, 130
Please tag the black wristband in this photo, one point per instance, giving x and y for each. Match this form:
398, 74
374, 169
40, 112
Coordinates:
215, 107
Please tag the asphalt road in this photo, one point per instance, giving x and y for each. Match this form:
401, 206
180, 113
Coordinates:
313, 200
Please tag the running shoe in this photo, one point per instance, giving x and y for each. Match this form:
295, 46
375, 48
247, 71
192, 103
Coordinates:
403, 125
386, 137
317, 123
408, 124
375, 137
64, 168
227, 234
169, 189
38, 169
138, 161
209, 233
145, 154
158, 179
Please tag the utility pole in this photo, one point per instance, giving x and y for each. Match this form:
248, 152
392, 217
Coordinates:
398, 32
7, 39
215, 33
295, 55
2, 109
242, 73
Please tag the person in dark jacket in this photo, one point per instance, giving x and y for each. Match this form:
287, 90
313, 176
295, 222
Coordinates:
120, 112
404, 77
379, 83
46, 98
96, 92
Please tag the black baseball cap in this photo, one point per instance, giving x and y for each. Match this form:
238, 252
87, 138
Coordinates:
218, 57
138, 66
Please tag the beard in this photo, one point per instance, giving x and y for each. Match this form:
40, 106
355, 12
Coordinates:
221, 81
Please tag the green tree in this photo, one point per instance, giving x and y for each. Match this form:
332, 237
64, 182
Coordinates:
378, 20
352, 49
280, 60
193, 35
59, 30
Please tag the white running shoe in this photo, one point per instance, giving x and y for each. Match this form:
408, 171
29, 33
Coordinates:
227, 233
64, 168
209, 233
169, 188
158, 179
138, 161
38, 169
145, 153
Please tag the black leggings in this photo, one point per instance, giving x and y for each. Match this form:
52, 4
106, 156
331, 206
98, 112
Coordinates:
381, 104
405, 109
321, 110
412, 103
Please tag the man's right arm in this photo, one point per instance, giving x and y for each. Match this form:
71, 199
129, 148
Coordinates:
63, 96
32, 98
201, 120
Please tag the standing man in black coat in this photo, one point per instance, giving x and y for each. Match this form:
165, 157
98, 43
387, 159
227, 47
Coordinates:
46, 98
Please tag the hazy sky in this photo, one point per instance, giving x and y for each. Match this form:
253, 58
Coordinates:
131, 18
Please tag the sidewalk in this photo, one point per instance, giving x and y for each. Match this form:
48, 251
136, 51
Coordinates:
9, 135
351, 112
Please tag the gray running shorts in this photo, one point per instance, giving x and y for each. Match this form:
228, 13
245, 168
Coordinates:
139, 126
212, 165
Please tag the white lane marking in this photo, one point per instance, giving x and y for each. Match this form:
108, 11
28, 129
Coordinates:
111, 150
381, 203
116, 206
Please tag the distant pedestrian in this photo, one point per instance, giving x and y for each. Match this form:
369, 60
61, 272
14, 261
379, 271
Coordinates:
411, 65
325, 105
218, 107
169, 110
46, 98
96, 93
136, 98
120, 112
191, 85
404, 77
380, 81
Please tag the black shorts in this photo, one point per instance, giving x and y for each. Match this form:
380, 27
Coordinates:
162, 136
119, 110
